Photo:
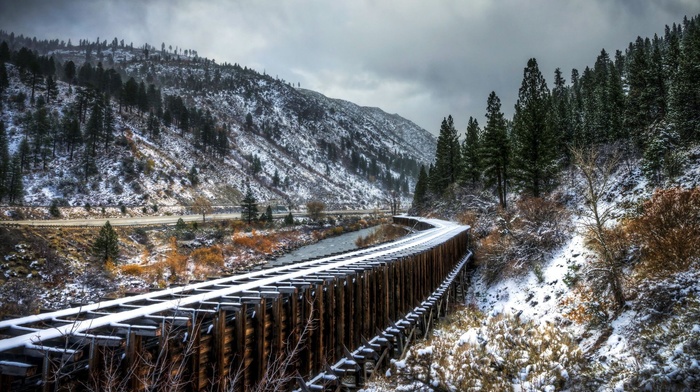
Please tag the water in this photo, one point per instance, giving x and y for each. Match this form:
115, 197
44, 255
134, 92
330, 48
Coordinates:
341, 243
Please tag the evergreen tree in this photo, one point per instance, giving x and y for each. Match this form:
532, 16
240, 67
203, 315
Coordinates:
276, 178
93, 133
685, 90
661, 158
534, 144
40, 131
4, 52
268, 214
142, 98
637, 110
249, 206
4, 80
23, 154
153, 128
15, 188
289, 219
447, 157
51, 89
561, 116
130, 93
471, 155
106, 245
107, 122
421, 190
496, 148
5, 168
71, 131
69, 71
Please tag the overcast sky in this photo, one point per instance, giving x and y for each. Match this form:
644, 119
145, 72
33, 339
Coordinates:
420, 59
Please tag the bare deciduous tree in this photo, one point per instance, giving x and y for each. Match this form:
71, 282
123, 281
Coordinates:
597, 166
202, 205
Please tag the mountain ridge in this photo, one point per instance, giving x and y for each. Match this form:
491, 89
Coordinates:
290, 145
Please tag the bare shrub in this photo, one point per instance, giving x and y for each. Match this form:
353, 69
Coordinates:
315, 210
176, 262
597, 166
523, 238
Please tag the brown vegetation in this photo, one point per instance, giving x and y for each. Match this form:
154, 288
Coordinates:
383, 233
522, 238
668, 231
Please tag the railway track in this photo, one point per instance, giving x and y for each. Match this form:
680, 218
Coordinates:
323, 317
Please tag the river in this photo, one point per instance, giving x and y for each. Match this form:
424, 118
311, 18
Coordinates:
341, 243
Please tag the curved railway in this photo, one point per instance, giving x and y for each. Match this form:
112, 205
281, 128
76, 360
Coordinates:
331, 321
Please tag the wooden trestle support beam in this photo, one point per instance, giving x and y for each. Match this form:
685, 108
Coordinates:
325, 330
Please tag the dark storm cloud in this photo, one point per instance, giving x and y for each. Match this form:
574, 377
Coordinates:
420, 59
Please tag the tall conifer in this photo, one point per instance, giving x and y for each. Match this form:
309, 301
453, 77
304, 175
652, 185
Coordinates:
496, 148
534, 144
447, 157
471, 154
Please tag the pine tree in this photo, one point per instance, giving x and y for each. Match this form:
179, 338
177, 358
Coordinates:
268, 214
471, 155
142, 98
661, 158
130, 93
51, 89
5, 167
4, 80
23, 154
636, 69
289, 219
421, 190
496, 148
276, 178
249, 206
69, 71
4, 52
107, 122
15, 188
40, 130
447, 157
561, 116
685, 90
106, 245
72, 135
534, 144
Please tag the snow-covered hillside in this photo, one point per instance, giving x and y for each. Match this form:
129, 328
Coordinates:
545, 329
305, 146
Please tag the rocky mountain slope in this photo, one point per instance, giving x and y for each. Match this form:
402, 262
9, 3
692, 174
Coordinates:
290, 144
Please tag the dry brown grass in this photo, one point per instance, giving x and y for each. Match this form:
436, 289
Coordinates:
383, 233
210, 257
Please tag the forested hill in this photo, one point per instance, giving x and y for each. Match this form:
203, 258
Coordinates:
104, 123
644, 100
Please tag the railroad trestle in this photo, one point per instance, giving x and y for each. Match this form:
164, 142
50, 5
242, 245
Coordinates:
322, 324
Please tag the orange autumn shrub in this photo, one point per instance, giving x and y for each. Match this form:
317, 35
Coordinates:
211, 257
668, 231
176, 262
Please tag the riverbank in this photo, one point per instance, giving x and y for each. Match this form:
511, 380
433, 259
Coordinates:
52, 268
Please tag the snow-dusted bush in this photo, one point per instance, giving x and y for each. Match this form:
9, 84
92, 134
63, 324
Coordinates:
524, 237
490, 353
669, 351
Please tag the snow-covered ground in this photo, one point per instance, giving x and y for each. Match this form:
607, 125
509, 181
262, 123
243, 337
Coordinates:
637, 347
